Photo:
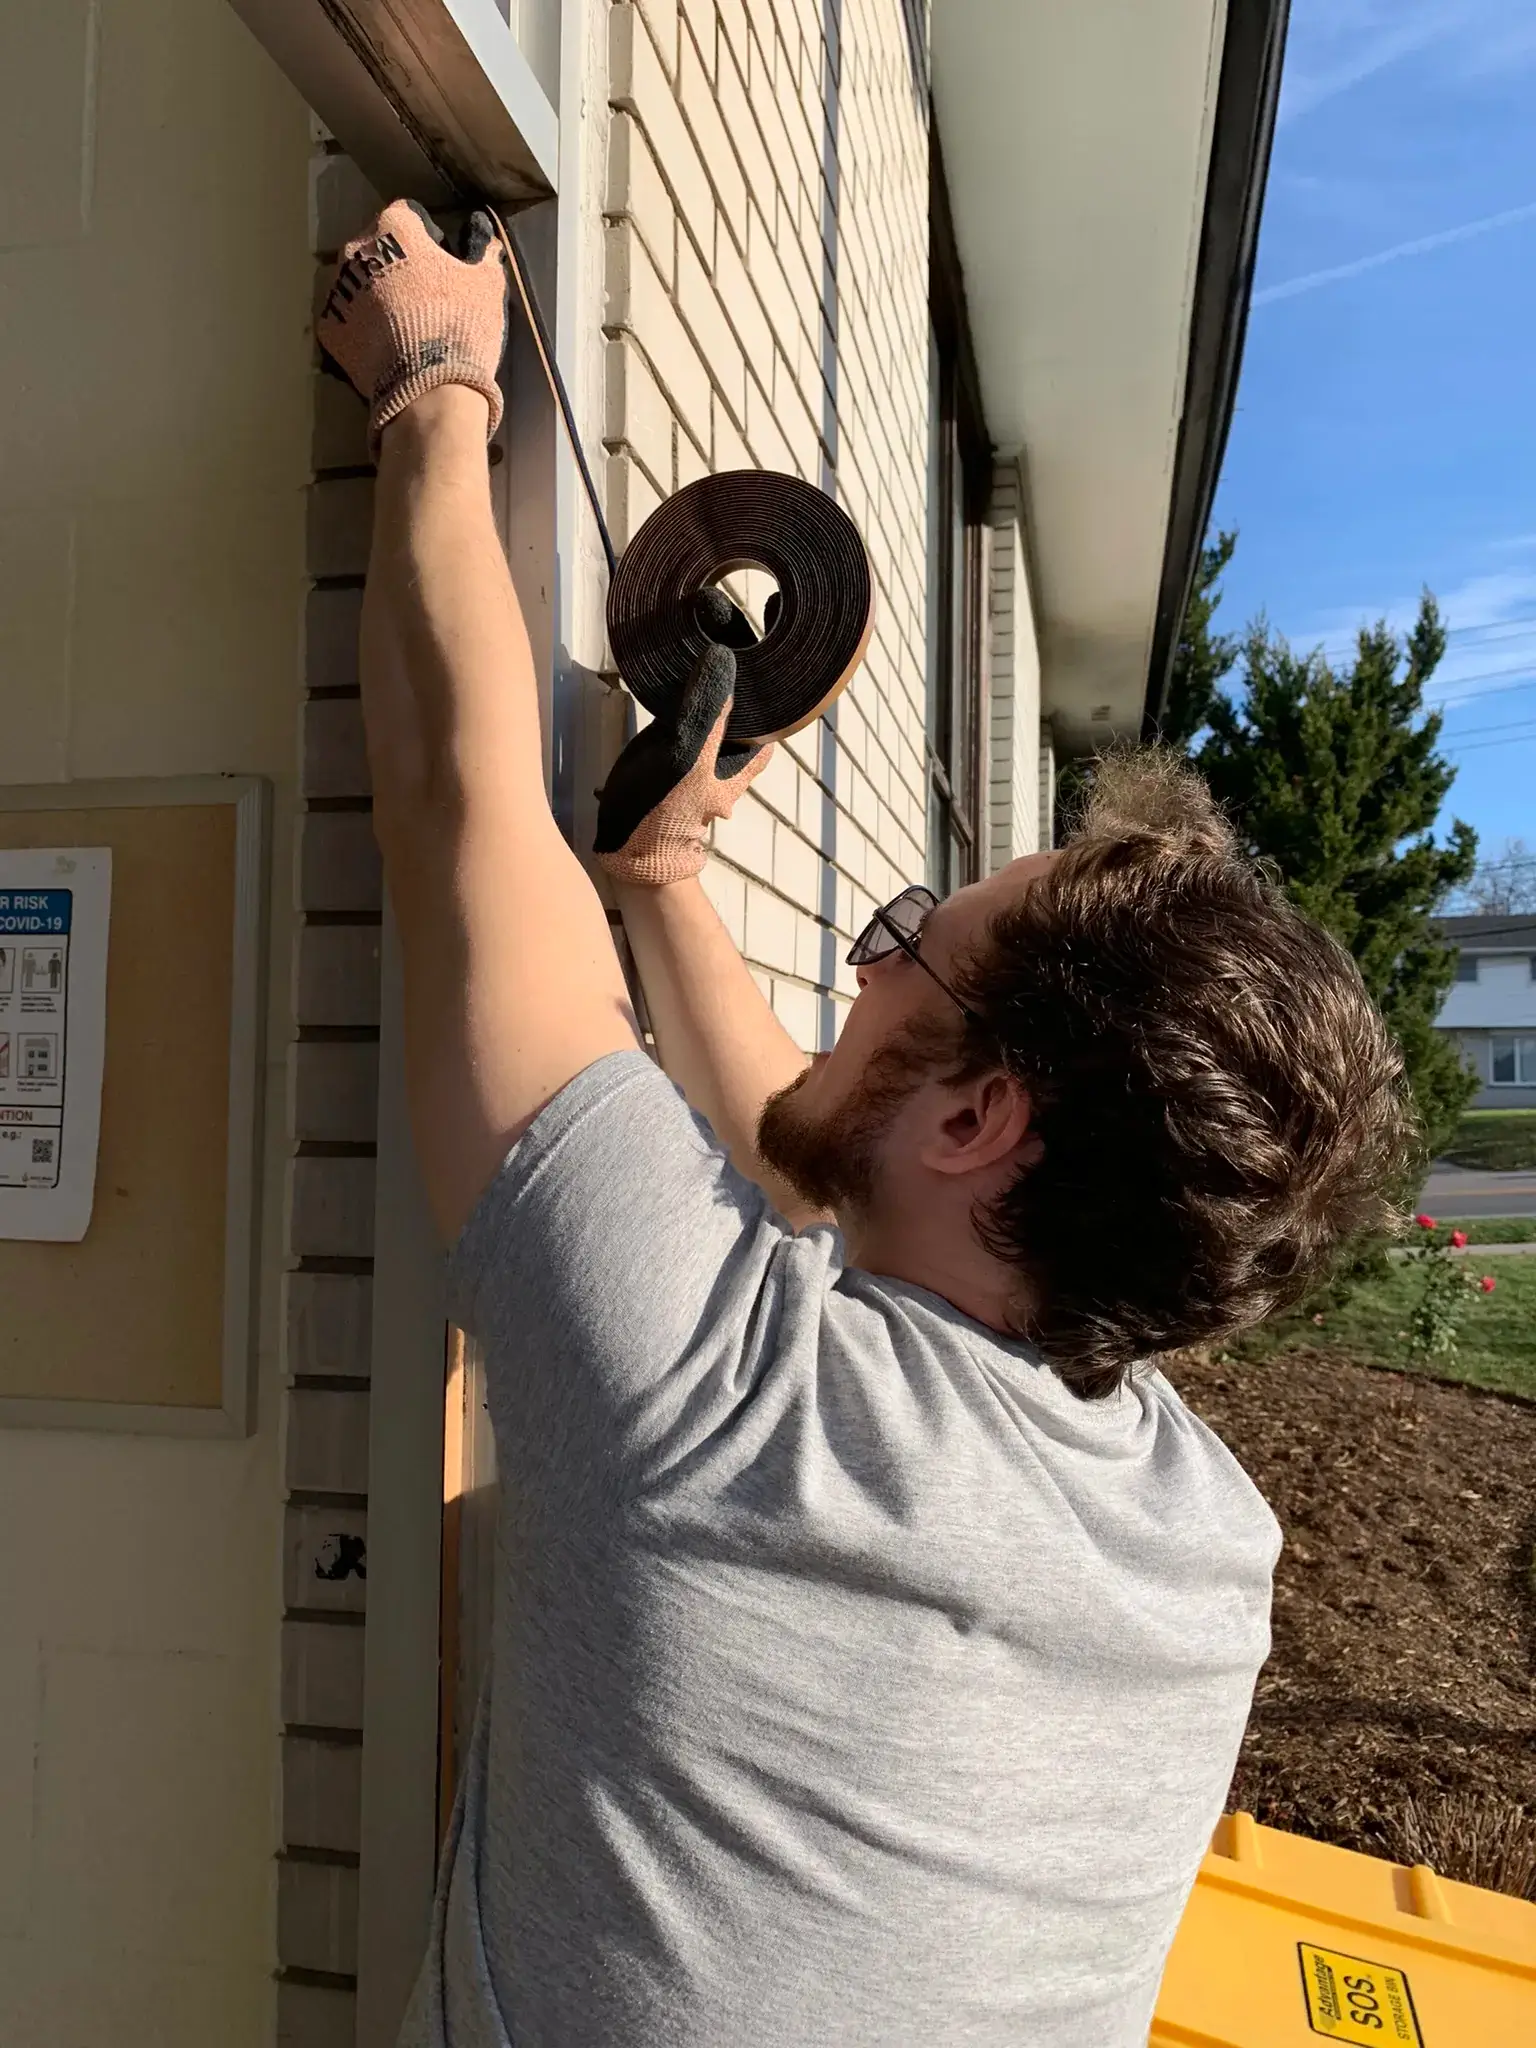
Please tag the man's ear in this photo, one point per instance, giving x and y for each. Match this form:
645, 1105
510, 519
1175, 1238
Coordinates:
987, 1123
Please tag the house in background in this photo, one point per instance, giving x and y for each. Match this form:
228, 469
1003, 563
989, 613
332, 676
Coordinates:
978, 269
1490, 1008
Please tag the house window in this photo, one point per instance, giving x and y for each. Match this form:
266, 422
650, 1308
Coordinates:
959, 482
1466, 967
1513, 1062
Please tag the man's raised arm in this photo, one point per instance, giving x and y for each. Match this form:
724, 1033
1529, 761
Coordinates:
512, 985
717, 1036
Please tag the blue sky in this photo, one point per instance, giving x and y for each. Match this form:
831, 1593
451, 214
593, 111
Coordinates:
1385, 436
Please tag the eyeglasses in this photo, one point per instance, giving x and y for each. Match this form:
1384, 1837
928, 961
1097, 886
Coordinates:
899, 926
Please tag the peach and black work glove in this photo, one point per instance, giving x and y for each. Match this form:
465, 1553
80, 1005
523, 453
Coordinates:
404, 315
654, 811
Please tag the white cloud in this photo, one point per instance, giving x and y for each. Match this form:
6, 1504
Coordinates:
1490, 600
1350, 42
1491, 618
1291, 287
1507, 43
1351, 202
1335, 45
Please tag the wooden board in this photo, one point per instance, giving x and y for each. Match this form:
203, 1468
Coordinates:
134, 1313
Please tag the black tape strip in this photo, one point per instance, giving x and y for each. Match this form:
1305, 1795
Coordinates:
745, 518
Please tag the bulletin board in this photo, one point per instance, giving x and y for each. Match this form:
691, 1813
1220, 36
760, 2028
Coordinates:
147, 1323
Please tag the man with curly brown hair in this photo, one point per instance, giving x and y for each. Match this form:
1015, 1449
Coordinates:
877, 1628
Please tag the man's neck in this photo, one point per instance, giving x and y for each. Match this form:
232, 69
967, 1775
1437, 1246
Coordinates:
961, 1272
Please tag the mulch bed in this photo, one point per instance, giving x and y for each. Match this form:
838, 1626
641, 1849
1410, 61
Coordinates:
1404, 1661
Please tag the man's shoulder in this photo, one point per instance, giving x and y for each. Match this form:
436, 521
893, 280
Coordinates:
1204, 1462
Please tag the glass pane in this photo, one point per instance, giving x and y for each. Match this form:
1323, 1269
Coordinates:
1528, 1061
935, 592
962, 746
1503, 1059
938, 842
945, 584
1466, 967
958, 651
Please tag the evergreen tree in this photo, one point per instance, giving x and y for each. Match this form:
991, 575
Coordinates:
1200, 661
1334, 776
1202, 658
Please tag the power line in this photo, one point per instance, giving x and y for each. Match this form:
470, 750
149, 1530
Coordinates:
1468, 696
1517, 622
1500, 725
1478, 745
1524, 670
1477, 675
1519, 628
1338, 650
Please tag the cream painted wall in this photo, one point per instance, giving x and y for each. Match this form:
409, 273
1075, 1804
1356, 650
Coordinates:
154, 406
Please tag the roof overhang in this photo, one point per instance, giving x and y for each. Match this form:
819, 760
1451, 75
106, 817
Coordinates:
1106, 164
1490, 932
434, 99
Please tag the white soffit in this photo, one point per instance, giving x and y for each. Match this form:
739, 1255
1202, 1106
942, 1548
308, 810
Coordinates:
433, 98
1076, 137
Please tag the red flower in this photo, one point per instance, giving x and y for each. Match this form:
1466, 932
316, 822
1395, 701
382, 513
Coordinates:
1425, 1222
1487, 1284
1458, 1238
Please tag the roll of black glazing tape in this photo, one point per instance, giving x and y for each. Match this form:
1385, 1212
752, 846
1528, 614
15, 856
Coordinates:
745, 519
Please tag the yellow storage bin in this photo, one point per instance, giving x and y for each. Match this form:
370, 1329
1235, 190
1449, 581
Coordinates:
1286, 1941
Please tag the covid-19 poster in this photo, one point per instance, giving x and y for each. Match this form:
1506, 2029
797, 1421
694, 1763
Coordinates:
54, 907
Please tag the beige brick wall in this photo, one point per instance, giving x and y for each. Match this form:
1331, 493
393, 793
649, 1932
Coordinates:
332, 1102
767, 305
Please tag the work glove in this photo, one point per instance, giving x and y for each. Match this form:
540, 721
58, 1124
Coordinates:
404, 315
654, 810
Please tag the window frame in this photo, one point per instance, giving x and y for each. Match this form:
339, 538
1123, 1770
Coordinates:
955, 740
1522, 1052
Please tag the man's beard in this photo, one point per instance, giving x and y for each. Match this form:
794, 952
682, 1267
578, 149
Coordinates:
832, 1159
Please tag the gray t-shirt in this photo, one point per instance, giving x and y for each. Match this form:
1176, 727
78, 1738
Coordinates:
852, 1681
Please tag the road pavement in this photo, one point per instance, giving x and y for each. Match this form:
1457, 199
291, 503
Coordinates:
1463, 1191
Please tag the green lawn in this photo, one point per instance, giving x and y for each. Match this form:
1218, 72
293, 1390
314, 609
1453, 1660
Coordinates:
1497, 1346
1499, 1140
1488, 1229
